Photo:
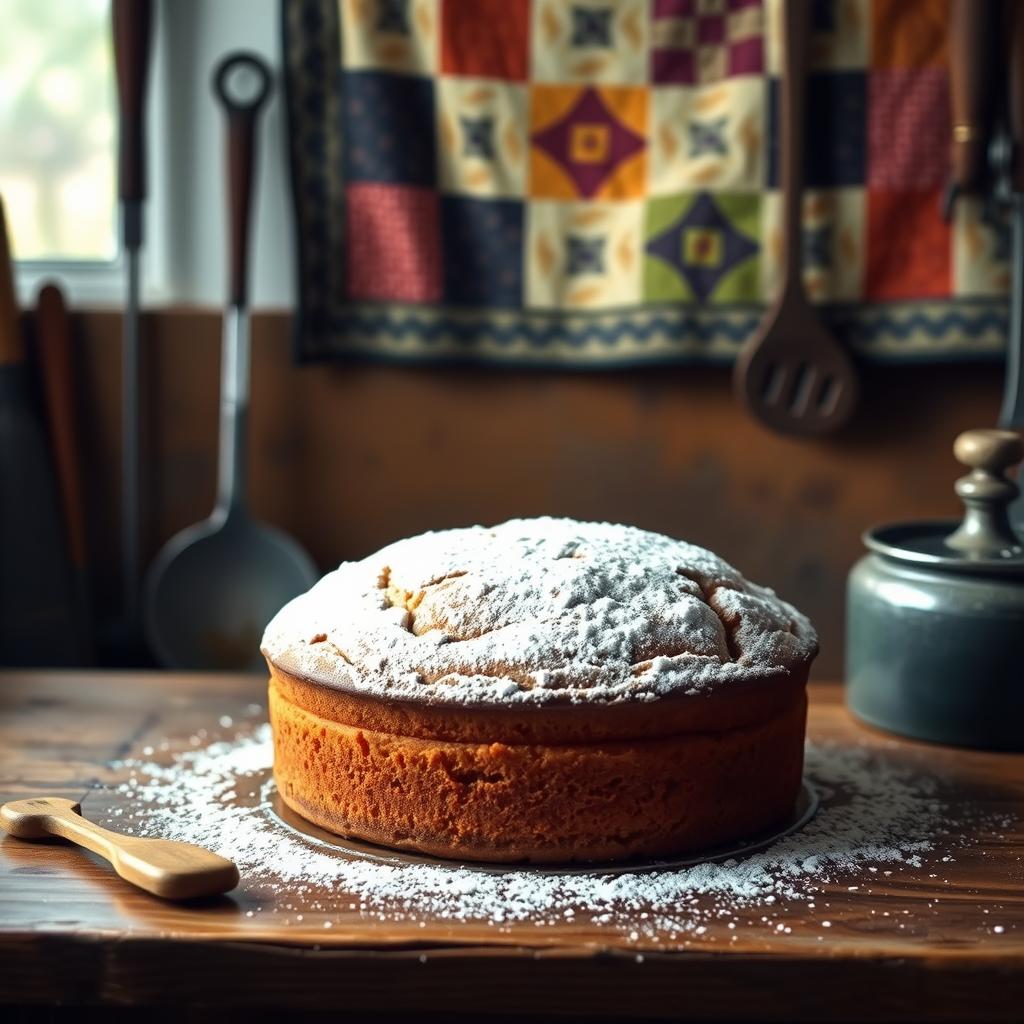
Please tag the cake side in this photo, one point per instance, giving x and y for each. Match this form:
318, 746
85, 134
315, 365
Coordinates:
605, 800
538, 612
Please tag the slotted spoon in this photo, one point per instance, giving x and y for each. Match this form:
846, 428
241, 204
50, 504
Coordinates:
792, 374
215, 585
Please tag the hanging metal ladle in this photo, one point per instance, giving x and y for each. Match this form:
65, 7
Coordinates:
216, 584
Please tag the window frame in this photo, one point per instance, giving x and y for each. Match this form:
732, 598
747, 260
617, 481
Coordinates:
103, 282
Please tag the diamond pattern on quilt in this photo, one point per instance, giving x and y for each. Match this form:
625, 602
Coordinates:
708, 138
908, 130
698, 41
393, 17
583, 255
393, 35
383, 136
591, 26
590, 41
588, 142
389, 228
482, 243
486, 38
702, 247
482, 137
833, 244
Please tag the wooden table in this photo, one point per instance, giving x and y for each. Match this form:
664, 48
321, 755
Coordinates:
922, 948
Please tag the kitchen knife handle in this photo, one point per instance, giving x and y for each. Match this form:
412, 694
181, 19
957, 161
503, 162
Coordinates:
972, 52
132, 22
242, 112
12, 344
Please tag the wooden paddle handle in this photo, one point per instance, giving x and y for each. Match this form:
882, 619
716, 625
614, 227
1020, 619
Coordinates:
12, 344
972, 88
171, 870
242, 119
53, 347
132, 22
796, 32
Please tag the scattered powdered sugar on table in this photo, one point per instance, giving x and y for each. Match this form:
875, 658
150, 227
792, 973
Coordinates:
537, 611
876, 818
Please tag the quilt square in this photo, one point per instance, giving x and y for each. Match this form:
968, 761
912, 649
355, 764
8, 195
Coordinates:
981, 249
837, 124
388, 229
486, 38
383, 138
588, 143
833, 244
482, 132
588, 41
706, 40
482, 244
583, 255
909, 35
914, 262
908, 130
702, 248
709, 138
393, 35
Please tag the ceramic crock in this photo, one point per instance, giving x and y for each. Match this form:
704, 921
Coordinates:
935, 614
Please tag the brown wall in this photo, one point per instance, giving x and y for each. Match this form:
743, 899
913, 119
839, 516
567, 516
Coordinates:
350, 456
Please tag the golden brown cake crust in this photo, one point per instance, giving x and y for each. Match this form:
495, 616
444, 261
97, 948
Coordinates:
729, 708
606, 800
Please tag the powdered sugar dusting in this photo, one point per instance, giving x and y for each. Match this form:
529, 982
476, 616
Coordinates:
876, 817
537, 610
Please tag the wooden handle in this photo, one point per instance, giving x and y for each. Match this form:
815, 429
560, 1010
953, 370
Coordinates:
972, 52
132, 22
12, 344
796, 27
171, 870
242, 117
54, 350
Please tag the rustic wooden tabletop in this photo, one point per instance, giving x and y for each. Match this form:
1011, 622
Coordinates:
938, 940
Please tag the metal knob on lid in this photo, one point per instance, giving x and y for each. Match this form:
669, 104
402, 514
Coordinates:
987, 493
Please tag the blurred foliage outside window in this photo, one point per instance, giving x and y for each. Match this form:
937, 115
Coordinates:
58, 129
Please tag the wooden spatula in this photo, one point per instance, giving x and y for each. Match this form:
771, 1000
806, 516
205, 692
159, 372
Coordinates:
172, 870
793, 374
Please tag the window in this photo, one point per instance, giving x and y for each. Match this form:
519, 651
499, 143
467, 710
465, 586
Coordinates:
58, 134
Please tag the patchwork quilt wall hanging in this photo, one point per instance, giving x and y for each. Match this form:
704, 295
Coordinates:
594, 182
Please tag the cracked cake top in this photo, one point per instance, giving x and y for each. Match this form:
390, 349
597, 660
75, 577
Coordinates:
541, 610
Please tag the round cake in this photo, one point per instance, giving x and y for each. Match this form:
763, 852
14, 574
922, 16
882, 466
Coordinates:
545, 690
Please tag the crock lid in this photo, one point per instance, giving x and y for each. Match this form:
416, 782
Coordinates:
984, 542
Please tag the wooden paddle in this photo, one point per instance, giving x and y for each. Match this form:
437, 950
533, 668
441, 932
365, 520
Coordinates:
171, 870
793, 375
